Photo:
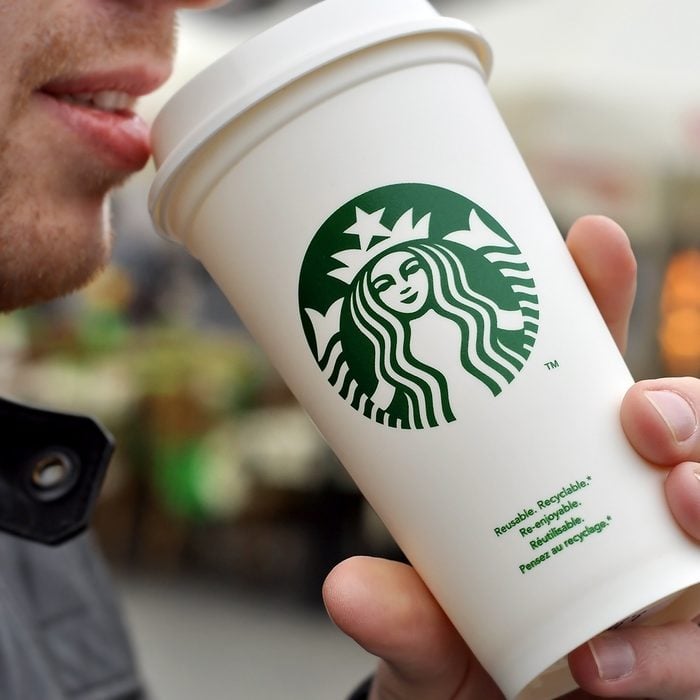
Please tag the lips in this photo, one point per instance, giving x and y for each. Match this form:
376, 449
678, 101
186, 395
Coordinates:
98, 111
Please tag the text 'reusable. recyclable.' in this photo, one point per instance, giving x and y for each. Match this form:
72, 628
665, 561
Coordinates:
555, 524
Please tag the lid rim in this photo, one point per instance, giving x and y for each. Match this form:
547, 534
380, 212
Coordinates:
202, 132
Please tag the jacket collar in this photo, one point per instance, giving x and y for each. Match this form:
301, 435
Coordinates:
52, 466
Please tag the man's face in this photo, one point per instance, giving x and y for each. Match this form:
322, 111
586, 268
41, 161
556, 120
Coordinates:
69, 73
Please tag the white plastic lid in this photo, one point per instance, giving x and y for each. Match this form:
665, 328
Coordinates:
264, 64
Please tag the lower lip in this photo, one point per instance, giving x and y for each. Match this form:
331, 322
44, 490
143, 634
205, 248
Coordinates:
121, 139
411, 299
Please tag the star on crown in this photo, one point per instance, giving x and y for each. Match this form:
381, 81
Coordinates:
368, 227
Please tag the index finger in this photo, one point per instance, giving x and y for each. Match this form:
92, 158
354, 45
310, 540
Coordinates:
605, 259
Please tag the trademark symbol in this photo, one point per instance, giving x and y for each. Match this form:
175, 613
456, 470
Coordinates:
551, 365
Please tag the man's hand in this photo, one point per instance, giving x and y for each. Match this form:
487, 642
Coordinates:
388, 610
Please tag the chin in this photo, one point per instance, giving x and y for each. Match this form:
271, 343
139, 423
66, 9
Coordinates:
48, 263
38, 289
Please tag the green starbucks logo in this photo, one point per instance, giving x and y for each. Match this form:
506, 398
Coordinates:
407, 290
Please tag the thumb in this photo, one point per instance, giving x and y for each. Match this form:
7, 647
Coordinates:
386, 608
661, 419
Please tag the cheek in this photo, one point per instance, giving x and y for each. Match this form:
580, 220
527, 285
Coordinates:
24, 30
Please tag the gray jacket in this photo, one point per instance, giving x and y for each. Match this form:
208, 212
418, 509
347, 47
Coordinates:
61, 635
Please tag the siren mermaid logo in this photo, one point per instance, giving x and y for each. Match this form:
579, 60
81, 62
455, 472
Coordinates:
410, 290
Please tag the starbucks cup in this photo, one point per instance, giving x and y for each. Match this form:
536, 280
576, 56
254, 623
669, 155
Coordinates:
349, 184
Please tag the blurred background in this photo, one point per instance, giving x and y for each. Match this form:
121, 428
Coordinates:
224, 509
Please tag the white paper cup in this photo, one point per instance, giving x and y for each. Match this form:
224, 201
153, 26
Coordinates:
349, 184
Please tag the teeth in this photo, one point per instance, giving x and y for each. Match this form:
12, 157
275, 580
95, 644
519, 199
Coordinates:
112, 101
107, 100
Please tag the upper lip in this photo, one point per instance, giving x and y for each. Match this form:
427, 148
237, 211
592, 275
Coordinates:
135, 81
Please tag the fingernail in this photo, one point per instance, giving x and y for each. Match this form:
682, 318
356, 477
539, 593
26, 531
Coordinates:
614, 656
676, 412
